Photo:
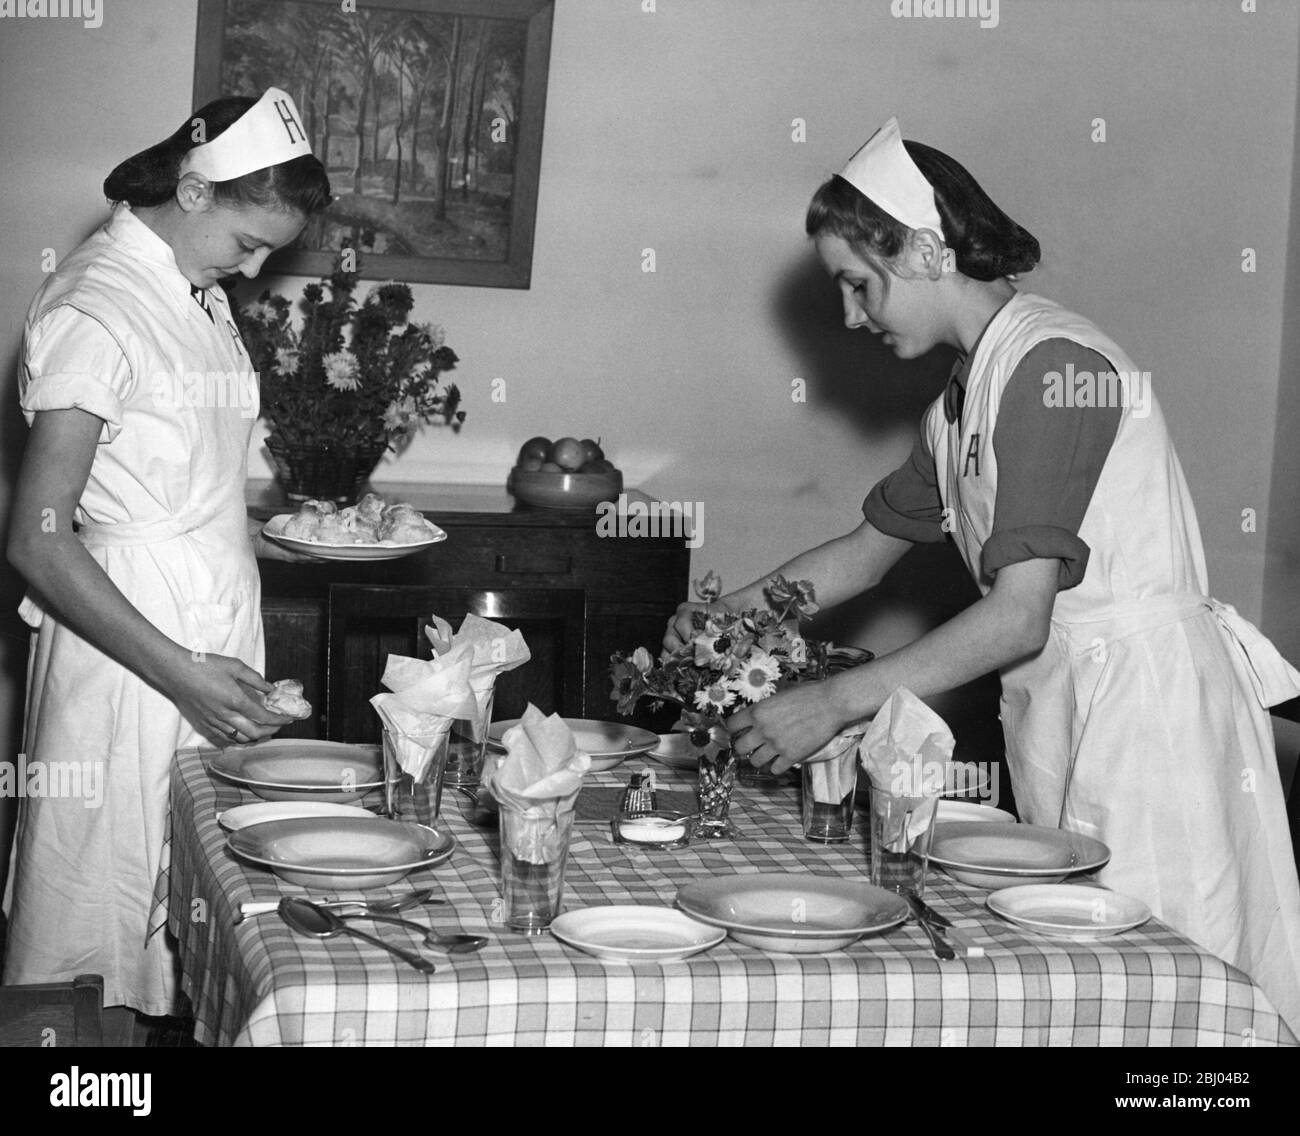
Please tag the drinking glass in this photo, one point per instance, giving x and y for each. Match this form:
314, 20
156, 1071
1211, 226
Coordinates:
404, 797
902, 828
468, 744
534, 852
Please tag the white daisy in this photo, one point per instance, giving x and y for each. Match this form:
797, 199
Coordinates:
757, 677
716, 697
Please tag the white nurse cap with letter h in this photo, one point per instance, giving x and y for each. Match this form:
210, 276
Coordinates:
883, 170
268, 133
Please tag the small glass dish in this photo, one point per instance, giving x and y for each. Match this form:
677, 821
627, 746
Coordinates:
658, 829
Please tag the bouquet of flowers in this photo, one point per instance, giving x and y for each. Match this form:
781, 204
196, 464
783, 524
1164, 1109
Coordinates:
353, 376
735, 658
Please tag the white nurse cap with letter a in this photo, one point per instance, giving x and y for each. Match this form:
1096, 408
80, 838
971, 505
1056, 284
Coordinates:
883, 170
268, 133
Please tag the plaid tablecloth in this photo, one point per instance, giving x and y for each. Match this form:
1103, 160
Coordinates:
258, 983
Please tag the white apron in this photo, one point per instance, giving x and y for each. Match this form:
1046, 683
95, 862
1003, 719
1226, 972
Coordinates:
1142, 722
163, 514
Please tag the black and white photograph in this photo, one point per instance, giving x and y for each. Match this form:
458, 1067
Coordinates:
652, 523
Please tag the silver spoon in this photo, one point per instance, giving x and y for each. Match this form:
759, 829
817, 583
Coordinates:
321, 923
457, 944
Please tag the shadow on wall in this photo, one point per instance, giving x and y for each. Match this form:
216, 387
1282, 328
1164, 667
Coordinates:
851, 373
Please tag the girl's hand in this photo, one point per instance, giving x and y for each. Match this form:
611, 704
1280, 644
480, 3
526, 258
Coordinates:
218, 696
787, 727
265, 549
681, 627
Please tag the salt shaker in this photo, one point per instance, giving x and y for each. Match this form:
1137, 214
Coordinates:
639, 796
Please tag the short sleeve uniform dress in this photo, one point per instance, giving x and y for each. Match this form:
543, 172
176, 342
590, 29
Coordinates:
1142, 722
119, 332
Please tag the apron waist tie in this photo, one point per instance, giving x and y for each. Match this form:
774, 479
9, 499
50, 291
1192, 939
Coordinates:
1272, 678
128, 534
131, 534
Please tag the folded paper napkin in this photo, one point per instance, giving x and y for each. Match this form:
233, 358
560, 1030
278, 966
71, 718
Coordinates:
428, 695
538, 778
832, 768
491, 649
905, 752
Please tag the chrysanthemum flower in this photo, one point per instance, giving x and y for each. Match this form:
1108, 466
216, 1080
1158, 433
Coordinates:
341, 371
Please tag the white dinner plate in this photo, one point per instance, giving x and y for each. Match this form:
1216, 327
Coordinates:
970, 810
241, 816
793, 912
292, 769
341, 853
607, 743
384, 550
1069, 911
675, 750
1008, 855
634, 933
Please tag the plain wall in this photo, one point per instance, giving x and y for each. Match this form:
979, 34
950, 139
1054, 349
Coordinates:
673, 131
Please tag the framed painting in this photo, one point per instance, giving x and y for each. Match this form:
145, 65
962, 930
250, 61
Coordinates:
426, 113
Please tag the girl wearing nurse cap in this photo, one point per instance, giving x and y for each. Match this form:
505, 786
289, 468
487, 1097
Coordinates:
129, 523
1132, 703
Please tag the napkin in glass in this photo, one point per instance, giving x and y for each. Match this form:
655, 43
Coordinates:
538, 778
905, 752
428, 695
491, 648
832, 777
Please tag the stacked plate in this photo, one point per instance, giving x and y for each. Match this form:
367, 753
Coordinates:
289, 769
340, 853
1000, 855
306, 831
606, 743
793, 912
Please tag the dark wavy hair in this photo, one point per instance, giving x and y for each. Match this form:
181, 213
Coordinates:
987, 243
150, 177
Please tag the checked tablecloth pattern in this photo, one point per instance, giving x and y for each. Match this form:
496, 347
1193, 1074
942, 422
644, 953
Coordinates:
258, 983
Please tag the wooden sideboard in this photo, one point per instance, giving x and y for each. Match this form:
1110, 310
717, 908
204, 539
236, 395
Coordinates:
576, 596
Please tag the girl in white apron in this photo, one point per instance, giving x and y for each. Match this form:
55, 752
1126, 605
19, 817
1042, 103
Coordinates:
1134, 705
148, 632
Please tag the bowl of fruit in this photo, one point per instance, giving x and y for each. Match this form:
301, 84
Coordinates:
564, 474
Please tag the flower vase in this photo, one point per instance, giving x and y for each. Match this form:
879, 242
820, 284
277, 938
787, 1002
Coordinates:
713, 793
323, 471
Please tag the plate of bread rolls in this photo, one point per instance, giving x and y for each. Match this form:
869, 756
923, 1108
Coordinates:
369, 530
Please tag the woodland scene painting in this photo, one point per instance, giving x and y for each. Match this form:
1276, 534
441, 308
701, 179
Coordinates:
427, 116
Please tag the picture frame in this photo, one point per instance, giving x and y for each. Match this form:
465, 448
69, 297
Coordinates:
428, 115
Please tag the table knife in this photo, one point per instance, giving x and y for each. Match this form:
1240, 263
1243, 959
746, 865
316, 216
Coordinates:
251, 908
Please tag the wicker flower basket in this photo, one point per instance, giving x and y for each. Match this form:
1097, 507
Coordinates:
323, 472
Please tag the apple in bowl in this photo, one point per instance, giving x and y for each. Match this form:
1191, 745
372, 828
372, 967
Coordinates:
568, 473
